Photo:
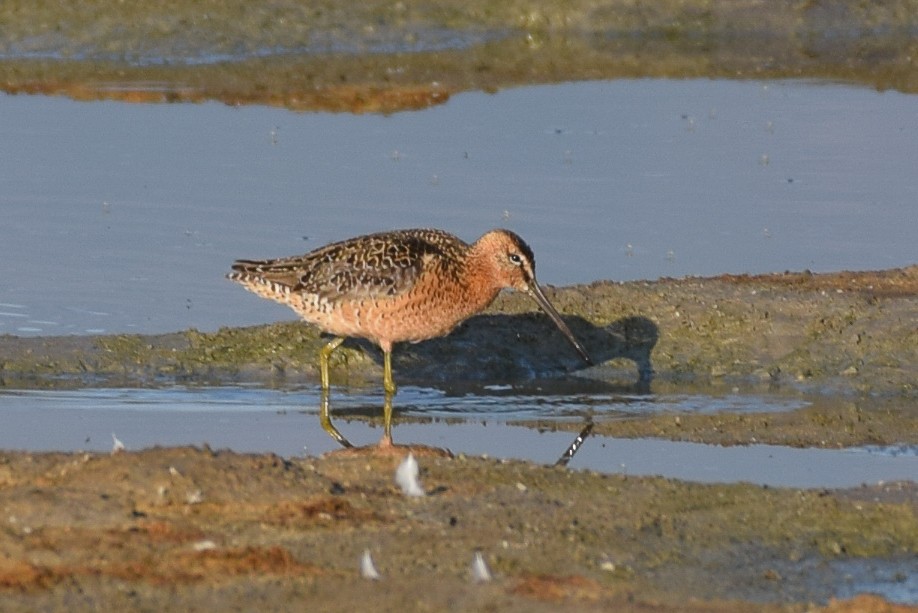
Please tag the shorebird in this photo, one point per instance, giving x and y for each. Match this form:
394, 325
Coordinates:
391, 287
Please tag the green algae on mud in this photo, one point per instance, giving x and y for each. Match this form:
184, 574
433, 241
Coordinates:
828, 422
850, 340
186, 528
830, 333
385, 57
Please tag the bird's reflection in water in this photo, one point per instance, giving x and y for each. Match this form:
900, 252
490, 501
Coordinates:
387, 444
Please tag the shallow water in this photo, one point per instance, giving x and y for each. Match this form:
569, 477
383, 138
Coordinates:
264, 420
124, 218
895, 580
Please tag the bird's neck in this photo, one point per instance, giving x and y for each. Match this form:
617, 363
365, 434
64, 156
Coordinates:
479, 281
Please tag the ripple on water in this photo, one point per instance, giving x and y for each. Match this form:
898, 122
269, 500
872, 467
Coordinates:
895, 579
894, 451
255, 419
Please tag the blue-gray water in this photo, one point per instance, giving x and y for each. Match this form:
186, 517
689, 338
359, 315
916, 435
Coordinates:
286, 422
124, 218
253, 419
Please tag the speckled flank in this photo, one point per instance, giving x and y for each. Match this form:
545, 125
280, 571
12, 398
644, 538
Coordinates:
406, 285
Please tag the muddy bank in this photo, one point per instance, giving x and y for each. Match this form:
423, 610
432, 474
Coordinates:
186, 529
193, 529
848, 338
385, 57
845, 333
199, 530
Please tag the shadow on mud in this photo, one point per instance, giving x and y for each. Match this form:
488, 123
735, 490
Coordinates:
520, 350
506, 349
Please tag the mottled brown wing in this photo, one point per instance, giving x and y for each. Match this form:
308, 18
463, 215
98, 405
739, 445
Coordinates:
377, 265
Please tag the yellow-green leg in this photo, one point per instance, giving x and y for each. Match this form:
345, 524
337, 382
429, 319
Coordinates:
389, 386
386, 440
388, 383
325, 420
324, 354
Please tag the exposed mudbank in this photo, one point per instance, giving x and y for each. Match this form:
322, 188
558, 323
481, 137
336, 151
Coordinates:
194, 529
386, 57
189, 529
844, 337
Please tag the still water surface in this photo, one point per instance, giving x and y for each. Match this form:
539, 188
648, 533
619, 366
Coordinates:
286, 422
124, 218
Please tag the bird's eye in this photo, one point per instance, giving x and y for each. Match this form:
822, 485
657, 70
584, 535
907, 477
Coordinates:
515, 258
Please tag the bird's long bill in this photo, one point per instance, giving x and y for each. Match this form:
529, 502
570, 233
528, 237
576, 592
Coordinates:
536, 292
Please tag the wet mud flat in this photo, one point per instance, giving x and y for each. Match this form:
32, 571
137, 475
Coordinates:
392, 56
848, 339
196, 528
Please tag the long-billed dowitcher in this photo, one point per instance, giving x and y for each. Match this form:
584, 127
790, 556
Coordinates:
405, 285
